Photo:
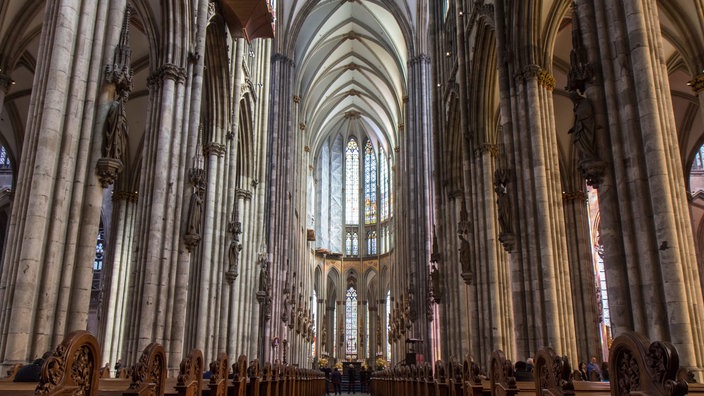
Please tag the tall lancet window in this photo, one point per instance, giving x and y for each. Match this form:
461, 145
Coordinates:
352, 182
351, 322
369, 183
383, 184
371, 242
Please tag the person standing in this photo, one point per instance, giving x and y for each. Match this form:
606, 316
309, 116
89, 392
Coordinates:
337, 381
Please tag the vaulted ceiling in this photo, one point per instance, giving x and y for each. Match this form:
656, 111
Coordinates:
351, 66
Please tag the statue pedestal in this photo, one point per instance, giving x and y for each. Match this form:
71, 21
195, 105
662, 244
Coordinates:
107, 170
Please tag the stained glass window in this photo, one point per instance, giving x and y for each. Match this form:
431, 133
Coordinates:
351, 321
369, 183
355, 244
352, 182
371, 242
384, 184
4, 158
314, 312
348, 244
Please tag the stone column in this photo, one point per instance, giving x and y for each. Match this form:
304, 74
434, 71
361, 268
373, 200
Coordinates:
119, 263
47, 272
529, 190
649, 257
584, 286
416, 215
282, 163
492, 302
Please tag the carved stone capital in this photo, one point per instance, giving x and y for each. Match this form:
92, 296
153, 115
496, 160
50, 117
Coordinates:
543, 77
216, 149
129, 196
492, 149
167, 71
296, 99
697, 83
191, 240
243, 194
107, 170
574, 196
593, 170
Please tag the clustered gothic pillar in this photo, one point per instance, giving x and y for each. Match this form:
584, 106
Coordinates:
46, 279
649, 256
281, 160
413, 213
530, 206
120, 257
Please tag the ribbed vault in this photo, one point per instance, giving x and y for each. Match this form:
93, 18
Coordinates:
351, 67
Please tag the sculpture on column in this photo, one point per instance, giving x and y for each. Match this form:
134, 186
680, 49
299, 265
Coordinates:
233, 252
503, 206
116, 126
464, 249
264, 291
193, 219
324, 334
585, 127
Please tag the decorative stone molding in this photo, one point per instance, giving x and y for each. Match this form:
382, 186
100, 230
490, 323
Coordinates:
243, 194
422, 58
492, 149
697, 83
216, 149
302, 126
296, 99
544, 78
279, 57
107, 170
574, 196
352, 114
306, 149
352, 35
129, 196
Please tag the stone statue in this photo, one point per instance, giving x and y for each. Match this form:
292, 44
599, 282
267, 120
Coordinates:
116, 129
195, 210
465, 254
435, 282
284, 308
264, 278
233, 253
502, 201
584, 127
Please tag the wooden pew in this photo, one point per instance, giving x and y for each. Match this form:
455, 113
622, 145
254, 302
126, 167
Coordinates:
239, 377
471, 381
12, 372
149, 376
253, 374
503, 381
217, 386
639, 367
73, 368
190, 376
552, 373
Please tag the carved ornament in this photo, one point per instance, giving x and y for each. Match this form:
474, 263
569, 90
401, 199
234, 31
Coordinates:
129, 196
697, 84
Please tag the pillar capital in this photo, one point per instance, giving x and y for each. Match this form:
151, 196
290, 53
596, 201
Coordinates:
129, 196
